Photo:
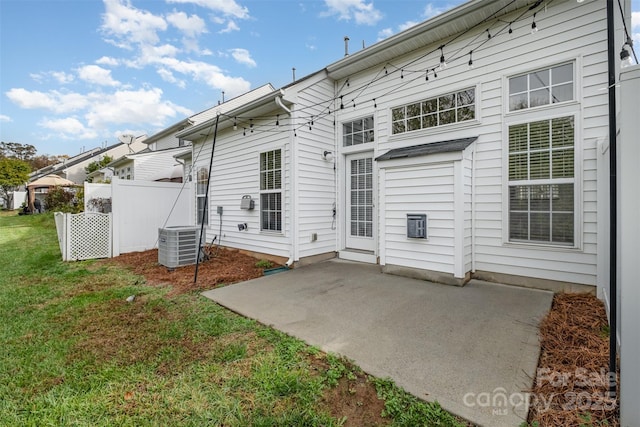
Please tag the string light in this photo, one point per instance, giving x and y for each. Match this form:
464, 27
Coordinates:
235, 123
278, 120
624, 54
244, 131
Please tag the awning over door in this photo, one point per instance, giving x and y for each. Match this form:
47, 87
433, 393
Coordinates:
426, 149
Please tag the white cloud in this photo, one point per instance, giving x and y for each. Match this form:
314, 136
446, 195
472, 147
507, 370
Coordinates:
434, 9
68, 128
227, 7
97, 75
191, 26
54, 101
231, 26
144, 106
105, 60
358, 10
243, 57
130, 25
385, 33
208, 74
62, 77
59, 76
4, 118
168, 76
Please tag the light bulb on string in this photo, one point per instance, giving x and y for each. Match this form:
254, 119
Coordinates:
488, 35
341, 104
435, 75
402, 74
235, 123
426, 76
375, 105
470, 60
534, 27
443, 63
278, 120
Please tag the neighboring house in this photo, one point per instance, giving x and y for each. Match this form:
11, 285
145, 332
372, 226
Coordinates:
149, 165
466, 146
101, 175
73, 168
166, 138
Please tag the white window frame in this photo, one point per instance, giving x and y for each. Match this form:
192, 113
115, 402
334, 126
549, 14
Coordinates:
269, 191
439, 127
551, 85
368, 134
201, 194
552, 111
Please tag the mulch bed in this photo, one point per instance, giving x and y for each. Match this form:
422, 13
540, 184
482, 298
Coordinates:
571, 387
225, 267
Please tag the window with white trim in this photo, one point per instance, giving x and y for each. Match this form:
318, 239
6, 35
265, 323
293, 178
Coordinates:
270, 190
357, 132
442, 110
542, 181
542, 87
202, 176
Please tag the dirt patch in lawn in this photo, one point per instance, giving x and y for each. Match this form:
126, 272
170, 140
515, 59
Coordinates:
225, 267
572, 382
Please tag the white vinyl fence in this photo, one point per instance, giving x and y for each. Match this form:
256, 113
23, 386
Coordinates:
85, 235
138, 210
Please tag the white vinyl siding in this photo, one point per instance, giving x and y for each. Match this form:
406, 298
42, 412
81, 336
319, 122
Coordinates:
420, 189
568, 35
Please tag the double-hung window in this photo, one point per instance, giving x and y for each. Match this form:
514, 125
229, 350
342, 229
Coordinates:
271, 190
541, 160
202, 176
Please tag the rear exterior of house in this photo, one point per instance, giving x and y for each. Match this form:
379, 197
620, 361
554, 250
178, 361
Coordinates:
441, 172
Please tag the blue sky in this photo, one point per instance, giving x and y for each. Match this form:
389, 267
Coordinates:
78, 73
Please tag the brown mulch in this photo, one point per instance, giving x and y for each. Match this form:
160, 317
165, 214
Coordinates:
225, 267
572, 383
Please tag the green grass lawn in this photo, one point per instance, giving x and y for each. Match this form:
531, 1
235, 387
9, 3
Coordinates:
73, 351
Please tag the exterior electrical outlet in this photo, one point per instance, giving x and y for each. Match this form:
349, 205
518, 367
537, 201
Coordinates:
417, 226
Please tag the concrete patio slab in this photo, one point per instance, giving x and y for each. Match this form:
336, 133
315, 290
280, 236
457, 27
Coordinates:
474, 349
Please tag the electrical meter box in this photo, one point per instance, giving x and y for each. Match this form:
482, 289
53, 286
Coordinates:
417, 226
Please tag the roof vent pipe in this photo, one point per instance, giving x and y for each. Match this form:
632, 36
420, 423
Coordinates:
293, 72
346, 46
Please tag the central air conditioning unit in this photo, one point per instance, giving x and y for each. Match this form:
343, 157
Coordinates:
178, 245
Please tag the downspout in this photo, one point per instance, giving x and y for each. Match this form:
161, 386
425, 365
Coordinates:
292, 251
473, 211
613, 200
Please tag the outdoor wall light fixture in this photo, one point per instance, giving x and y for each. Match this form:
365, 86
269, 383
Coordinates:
327, 155
243, 227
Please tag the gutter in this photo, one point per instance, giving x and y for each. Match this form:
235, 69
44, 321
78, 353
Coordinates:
293, 253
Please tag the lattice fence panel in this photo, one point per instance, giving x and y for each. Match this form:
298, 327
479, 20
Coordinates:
89, 236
